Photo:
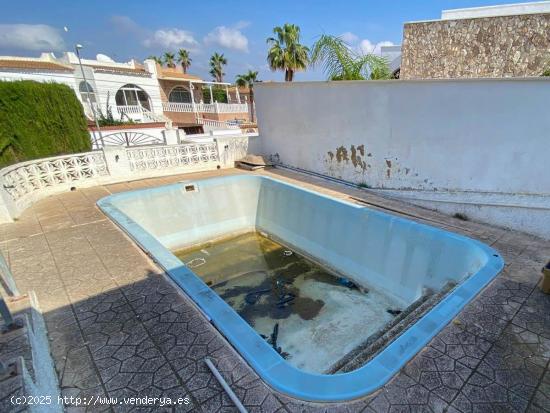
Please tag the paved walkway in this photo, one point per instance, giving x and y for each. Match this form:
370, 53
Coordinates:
119, 328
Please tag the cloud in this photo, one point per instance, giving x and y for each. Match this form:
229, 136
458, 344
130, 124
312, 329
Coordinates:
242, 24
228, 37
366, 46
349, 37
171, 38
36, 37
126, 24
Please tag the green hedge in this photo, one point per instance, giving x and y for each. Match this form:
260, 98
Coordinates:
39, 120
219, 94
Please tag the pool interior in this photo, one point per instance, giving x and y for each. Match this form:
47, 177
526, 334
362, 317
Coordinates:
295, 304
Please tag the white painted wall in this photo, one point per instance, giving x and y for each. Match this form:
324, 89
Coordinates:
478, 142
107, 84
497, 10
66, 78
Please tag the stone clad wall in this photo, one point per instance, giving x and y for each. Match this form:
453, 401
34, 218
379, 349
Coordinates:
505, 46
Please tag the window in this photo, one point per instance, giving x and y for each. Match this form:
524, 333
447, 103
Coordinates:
180, 95
132, 95
86, 92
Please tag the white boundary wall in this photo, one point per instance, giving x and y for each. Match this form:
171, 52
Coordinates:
25, 183
479, 147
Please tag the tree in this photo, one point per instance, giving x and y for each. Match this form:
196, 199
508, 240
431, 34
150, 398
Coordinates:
247, 80
217, 62
169, 59
156, 59
184, 59
285, 52
341, 62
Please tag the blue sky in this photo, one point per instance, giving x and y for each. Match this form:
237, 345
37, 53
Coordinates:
136, 29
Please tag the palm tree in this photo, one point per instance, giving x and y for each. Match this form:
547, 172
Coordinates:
217, 62
184, 59
341, 62
156, 59
247, 80
169, 59
285, 52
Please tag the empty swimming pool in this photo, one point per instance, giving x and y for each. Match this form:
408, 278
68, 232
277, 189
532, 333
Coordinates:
278, 268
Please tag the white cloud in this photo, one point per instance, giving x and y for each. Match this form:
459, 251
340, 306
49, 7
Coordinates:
366, 46
36, 37
349, 37
242, 24
170, 38
125, 24
228, 37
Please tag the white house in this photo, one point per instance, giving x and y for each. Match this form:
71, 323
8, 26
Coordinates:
128, 90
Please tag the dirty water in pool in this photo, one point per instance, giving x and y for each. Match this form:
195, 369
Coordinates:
310, 315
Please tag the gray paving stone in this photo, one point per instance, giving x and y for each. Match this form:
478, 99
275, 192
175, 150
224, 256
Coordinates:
119, 328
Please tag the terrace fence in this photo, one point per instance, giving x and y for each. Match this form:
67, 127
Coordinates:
25, 183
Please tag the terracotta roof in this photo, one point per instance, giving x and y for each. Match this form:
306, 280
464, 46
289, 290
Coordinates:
34, 65
113, 69
175, 74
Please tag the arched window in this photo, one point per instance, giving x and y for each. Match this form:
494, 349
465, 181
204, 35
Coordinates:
180, 95
132, 95
86, 92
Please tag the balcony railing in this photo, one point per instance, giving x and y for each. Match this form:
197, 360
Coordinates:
134, 109
215, 107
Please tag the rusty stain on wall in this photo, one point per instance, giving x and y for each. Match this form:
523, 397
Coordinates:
356, 159
337, 163
341, 154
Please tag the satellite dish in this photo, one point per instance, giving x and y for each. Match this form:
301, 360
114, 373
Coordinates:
104, 58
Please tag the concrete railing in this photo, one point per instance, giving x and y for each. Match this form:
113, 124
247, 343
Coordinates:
217, 124
215, 107
24, 183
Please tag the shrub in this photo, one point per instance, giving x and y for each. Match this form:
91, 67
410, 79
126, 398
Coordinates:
219, 94
39, 120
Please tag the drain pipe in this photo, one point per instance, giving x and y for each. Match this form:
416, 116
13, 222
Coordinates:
225, 386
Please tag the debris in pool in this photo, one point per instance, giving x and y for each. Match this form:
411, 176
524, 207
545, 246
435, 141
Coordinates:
346, 283
195, 262
285, 299
287, 253
273, 341
394, 312
253, 296
205, 252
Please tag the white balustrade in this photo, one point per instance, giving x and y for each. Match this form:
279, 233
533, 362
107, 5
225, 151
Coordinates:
26, 177
205, 107
218, 124
24, 183
134, 109
171, 156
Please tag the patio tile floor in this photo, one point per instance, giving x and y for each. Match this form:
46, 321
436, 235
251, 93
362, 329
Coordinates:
118, 327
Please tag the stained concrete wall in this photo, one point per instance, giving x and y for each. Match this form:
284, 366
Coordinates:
501, 46
478, 147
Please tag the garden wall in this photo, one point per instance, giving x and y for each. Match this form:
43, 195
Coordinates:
478, 147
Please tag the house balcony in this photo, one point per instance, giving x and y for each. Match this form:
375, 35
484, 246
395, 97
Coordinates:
215, 107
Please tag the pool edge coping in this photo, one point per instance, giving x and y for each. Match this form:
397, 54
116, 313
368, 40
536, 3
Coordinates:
272, 368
